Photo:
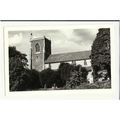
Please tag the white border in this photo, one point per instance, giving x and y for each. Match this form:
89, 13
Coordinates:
112, 93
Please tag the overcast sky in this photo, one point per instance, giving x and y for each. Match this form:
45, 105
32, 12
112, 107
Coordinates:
67, 40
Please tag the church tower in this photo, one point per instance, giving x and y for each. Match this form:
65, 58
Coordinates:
40, 51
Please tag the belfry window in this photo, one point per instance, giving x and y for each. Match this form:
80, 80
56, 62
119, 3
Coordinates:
37, 47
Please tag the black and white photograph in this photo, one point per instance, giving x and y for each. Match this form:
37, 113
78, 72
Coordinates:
63, 58
59, 59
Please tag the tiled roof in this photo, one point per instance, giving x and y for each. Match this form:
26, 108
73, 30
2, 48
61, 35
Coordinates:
64, 57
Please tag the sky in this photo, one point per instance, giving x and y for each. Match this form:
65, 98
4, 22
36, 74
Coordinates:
62, 40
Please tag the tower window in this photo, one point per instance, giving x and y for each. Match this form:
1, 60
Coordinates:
37, 47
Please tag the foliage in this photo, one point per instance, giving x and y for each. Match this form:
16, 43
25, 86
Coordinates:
74, 80
20, 57
17, 65
83, 76
65, 70
47, 78
51, 78
21, 78
78, 76
67, 76
57, 80
34, 80
100, 54
96, 85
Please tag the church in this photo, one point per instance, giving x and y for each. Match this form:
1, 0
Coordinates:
42, 57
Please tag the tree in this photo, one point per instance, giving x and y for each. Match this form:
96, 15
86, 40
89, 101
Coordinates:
74, 79
65, 70
35, 81
51, 78
22, 78
17, 69
100, 53
46, 78
83, 76
57, 80
77, 76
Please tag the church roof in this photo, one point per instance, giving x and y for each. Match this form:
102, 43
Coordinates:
64, 57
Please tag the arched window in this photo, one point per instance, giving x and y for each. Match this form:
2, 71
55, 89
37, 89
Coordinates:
37, 47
